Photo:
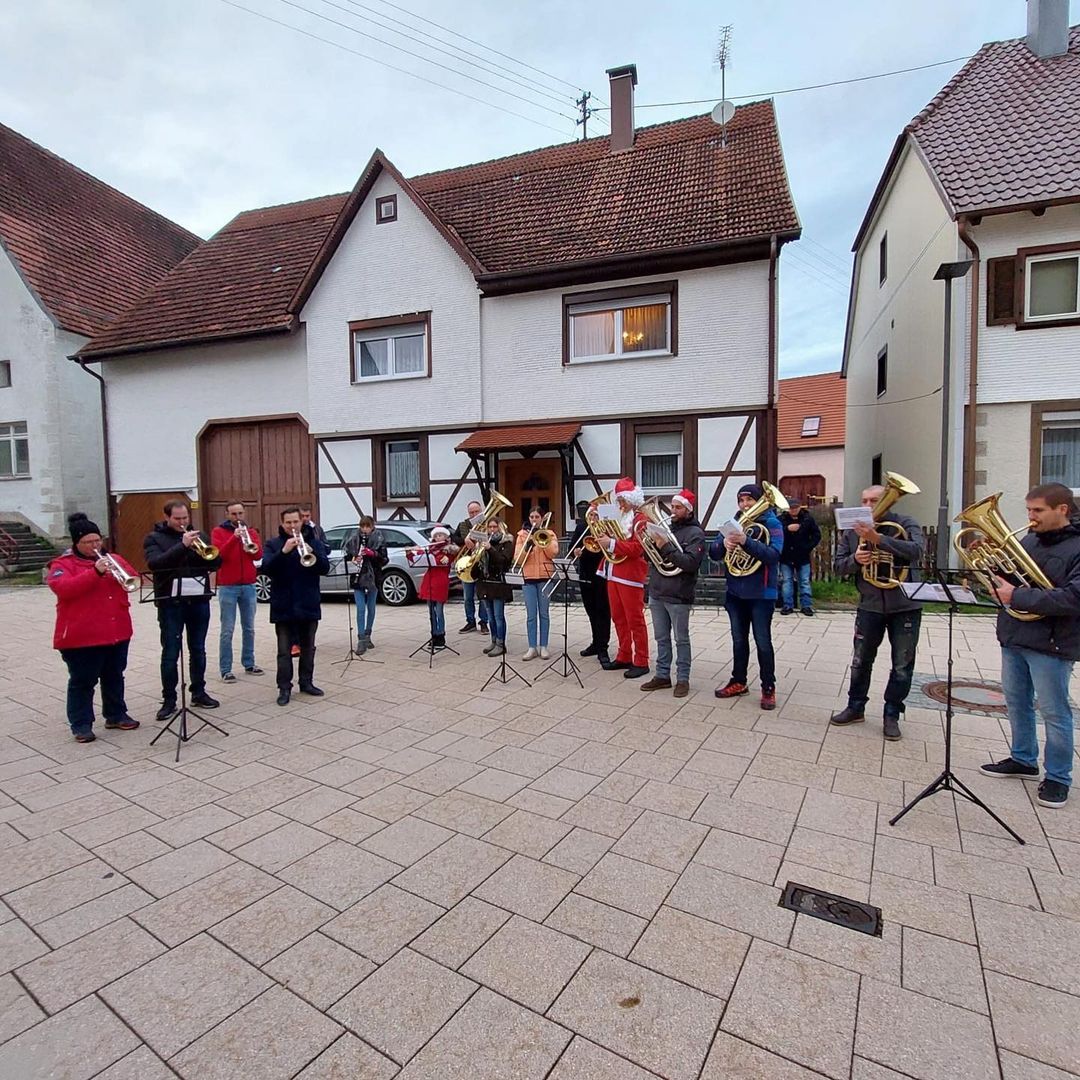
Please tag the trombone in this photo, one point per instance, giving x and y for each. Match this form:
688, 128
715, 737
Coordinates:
128, 582
539, 536
308, 557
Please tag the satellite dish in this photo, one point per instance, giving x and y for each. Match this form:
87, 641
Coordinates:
723, 112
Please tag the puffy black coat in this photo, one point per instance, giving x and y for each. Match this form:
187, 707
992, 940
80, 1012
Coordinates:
294, 589
490, 572
169, 559
679, 588
799, 545
368, 575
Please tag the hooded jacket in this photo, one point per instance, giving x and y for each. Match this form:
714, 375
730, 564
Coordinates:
761, 584
679, 588
1057, 554
91, 608
907, 552
169, 559
799, 545
237, 566
295, 594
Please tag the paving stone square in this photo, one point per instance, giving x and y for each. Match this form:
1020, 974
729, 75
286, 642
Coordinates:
413, 878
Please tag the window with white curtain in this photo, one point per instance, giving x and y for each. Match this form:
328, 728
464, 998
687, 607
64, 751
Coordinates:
1061, 449
1052, 287
659, 460
390, 352
403, 469
14, 450
606, 330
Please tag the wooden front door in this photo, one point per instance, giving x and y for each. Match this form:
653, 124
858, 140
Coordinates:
810, 488
529, 483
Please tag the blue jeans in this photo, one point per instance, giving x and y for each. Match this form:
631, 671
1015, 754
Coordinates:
788, 575
496, 618
87, 667
231, 597
536, 612
365, 608
756, 615
174, 618
437, 615
469, 588
1026, 675
668, 617
870, 630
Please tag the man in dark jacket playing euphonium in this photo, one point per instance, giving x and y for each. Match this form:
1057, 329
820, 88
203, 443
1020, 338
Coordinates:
295, 599
670, 598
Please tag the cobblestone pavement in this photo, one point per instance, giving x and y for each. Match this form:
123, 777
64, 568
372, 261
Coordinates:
412, 878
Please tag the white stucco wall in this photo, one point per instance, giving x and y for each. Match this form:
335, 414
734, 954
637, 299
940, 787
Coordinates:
158, 402
828, 463
1003, 455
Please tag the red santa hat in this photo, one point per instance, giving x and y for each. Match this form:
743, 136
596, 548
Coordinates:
440, 529
627, 490
685, 498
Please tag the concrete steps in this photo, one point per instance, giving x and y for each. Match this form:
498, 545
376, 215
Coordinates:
26, 551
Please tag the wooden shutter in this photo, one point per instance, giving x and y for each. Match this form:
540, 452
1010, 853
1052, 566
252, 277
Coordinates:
1001, 291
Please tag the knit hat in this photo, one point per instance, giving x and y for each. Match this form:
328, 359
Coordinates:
753, 490
440, 529
685, 498
79, 525
627, 490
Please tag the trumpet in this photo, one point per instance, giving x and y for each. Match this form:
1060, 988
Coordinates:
653, 552
539, 535
603, 530
308, 557
246, 542
738, 562
128, 582
203, 549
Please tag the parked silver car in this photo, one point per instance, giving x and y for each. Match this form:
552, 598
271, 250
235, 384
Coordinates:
398, 581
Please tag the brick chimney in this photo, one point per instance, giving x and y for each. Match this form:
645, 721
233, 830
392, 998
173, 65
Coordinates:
621, 82
1047, 28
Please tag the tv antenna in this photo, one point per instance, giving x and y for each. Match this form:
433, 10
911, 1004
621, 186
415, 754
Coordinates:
725, 110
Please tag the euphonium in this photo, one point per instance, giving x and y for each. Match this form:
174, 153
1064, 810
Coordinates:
997, 551
738, 562
467, 561
203, 549
881, 571
602, 530
653, 552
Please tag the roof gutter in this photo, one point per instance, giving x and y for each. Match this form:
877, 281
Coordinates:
104, 440
963, 225
771, 421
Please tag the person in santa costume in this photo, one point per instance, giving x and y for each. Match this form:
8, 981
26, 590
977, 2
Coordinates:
626, 585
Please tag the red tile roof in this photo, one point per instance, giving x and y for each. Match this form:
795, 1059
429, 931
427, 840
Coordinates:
85, 249
534, 436
560, 205
812, 395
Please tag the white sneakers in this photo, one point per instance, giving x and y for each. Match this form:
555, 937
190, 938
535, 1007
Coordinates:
531, 654
544, 654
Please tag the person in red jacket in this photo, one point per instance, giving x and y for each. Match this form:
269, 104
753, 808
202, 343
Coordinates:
626, 585
438, 556
93, 628
236, 588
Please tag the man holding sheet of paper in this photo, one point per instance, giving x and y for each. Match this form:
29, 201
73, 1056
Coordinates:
881, 611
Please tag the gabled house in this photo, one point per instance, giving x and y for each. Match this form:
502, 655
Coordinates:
811, 437
987, 173
540, 324
74, 255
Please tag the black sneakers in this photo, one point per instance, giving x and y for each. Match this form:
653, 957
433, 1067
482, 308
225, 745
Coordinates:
468, 628
635, 671
204, 701
168, 708
1053, 794
1010, 767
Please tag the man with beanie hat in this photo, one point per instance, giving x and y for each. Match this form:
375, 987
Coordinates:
93, 628
593, 588
801, 536
672, 596
751, 599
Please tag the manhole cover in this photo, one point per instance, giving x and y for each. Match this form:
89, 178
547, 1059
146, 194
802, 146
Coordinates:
984, 696
841, 910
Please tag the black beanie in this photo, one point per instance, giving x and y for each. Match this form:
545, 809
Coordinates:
753, 490
79, 525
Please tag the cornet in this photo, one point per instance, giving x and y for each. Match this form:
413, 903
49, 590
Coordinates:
128, 582
307, 556
246, 542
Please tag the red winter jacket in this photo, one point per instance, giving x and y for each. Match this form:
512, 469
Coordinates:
633, 570
435, 584
237, 567
91, 608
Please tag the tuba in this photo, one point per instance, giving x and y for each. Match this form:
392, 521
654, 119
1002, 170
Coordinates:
881, 571
603, 529
467, 561
997, 551
653, 552
739, 562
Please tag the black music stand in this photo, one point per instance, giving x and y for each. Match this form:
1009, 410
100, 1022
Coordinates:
183, 711
350, 607
514, 580
950, 581
561, 570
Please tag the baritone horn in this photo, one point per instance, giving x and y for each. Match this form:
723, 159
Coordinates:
996, 551
881, 571
468, 561
739, 562
653, 551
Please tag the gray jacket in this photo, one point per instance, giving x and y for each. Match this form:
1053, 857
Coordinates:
1058, 634
906, 553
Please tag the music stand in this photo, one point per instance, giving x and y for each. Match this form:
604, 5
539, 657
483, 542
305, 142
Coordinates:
429, 645
350, 606
183, 710
563, 573
949, 593
514, 580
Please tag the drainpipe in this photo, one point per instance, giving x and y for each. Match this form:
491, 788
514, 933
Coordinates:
109, 509
771, 463
963, 224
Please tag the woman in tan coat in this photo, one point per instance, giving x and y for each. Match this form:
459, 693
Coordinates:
534, 559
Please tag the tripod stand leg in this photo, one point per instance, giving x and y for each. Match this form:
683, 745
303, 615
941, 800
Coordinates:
968, 794
940, 784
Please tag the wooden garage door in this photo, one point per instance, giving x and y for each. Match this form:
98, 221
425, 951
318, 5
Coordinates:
135, 515
266, 464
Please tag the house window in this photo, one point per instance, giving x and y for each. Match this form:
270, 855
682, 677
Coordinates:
1052, 287
1061, 449
5, 374
811, 426
385, 209
397, 348
883, 259
659, 461
620, 323
882, 371
402, 469
14, 450
875, 470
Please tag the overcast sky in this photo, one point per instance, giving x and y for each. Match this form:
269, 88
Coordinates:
201, 110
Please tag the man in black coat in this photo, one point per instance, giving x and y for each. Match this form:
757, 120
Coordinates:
593, 590
295, 600
801, 536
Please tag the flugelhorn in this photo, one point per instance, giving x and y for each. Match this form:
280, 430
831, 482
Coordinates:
128, 582
738, 562
881, 571
307, 556
467, 561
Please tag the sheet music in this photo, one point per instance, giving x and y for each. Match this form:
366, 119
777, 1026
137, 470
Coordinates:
931, 590
847, 517
607, 512
730, 527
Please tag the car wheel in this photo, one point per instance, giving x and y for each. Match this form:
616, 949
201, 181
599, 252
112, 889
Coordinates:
262, 588
396, 588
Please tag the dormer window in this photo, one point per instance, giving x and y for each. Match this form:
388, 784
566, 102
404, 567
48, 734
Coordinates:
385, 209
811, 426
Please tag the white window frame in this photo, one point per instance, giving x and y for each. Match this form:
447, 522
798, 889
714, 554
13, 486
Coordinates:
13, 437
389, 334
1050, 256
1056, 420
811, 427
617, 308
639, 457
390, 497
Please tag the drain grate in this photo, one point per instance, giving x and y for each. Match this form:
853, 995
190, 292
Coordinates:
987, 697
852, 914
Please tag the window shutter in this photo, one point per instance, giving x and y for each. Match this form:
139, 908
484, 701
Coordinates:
1001, 291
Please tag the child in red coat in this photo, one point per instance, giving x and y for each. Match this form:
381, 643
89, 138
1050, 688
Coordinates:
438, 556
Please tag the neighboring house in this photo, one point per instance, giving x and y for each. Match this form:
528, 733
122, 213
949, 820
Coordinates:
811, 437
540, 324
74, 254
989, 171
